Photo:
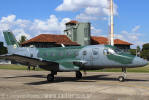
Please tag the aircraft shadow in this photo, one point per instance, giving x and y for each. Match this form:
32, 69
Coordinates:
68, 79
93, 78
35, 76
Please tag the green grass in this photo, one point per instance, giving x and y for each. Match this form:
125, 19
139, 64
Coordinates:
20, 67
139, 70
16, 67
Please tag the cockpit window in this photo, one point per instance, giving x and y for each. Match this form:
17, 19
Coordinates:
118, 50
114, 49
108, 51
105, 51
111, 51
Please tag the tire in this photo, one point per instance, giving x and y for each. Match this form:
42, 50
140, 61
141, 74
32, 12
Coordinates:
121, 78
50, 78
78, 75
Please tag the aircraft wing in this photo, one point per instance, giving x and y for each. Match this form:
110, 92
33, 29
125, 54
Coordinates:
63, 64
70, 64
48, 65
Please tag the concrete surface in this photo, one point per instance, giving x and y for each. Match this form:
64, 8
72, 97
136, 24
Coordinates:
32, 85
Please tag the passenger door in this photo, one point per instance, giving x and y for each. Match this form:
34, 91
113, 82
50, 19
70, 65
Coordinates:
87, 56
95, 56
95, 53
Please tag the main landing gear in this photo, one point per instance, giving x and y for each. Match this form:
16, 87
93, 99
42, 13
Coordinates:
50, 77
123, 77
78, 75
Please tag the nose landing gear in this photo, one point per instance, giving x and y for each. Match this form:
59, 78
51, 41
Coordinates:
124, 75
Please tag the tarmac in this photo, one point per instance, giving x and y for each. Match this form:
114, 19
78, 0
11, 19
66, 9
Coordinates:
32, 85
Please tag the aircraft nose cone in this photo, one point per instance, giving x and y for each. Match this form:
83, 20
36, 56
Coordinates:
140, 62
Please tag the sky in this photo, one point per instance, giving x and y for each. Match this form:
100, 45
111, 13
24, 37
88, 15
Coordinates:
34, 17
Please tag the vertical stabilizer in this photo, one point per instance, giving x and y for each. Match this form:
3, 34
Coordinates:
11, 42
10, 38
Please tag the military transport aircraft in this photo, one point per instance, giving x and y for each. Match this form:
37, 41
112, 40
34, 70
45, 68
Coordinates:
67, 59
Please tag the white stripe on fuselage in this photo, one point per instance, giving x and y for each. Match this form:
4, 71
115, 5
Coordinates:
121, 56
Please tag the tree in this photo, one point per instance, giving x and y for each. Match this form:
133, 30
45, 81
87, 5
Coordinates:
132, 51
138, 51
3, 50
22, 39
146, 46
145, 51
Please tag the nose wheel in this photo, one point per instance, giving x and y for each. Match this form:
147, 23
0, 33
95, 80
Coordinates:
121, 78
124, 75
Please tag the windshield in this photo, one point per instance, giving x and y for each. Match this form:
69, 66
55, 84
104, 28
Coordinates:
113, 49
108, 51
118, 50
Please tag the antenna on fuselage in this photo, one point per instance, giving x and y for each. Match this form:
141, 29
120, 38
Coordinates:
63, 45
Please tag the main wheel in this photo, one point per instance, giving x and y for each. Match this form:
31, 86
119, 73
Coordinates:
121, 78
50, 78
78, 75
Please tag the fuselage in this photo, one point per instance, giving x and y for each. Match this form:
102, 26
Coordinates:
89, 57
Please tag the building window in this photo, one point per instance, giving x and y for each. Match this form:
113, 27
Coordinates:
86, 42
69, 34
86, 32
74, 35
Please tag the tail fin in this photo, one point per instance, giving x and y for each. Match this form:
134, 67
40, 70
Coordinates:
10, 38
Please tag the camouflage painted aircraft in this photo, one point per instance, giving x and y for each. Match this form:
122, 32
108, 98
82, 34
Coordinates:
67, 59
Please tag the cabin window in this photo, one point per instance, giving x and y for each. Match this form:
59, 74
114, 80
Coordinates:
84, 52
76, 53
61, 53
45, 54
95, 52
68, 53
53, 54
